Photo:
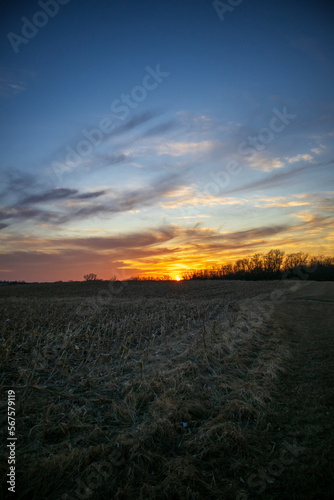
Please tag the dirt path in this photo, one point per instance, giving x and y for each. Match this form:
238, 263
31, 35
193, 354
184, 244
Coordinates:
303, 411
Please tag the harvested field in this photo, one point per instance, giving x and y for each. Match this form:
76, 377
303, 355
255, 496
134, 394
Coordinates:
152, 390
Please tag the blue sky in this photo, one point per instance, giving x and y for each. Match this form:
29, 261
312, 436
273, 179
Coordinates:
162, 136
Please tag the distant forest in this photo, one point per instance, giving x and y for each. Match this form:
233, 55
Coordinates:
273, 265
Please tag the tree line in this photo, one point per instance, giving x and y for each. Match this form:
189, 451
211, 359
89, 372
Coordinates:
269, 266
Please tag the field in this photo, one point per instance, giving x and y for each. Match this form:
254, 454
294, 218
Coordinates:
165, 390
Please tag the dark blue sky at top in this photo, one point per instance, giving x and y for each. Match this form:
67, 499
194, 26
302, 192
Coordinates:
92, 52
225, 79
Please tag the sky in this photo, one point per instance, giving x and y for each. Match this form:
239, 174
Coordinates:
156, 137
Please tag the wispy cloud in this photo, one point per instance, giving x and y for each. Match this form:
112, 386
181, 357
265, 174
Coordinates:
177, 148
260, 161
318, 151
280, 178
87, 196
284, 204
187, 196
53, 195
300, 157
13, 81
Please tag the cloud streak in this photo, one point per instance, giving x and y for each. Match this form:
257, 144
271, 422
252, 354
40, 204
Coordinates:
116, 201
53, 195
280, 178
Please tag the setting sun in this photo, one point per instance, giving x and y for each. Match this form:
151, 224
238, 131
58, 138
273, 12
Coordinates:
177, 278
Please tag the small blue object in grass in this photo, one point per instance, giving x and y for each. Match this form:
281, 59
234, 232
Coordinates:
185, 425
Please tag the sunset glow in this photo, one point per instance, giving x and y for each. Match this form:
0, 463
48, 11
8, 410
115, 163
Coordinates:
178, 155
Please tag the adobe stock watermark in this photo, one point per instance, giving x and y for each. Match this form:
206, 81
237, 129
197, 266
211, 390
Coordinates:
222, 7
266, 135
95, 476
120, 107
40, 19
221, 179
267, 475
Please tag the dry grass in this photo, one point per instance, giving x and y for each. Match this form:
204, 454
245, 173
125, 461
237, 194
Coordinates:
175, 378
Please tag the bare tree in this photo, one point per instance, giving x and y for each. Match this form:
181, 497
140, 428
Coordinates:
272, 262
256, 264
294, 260
90, 277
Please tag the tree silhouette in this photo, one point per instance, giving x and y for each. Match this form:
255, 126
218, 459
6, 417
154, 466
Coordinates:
90, 277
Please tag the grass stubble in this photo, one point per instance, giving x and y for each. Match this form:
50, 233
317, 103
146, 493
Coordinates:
175, 380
